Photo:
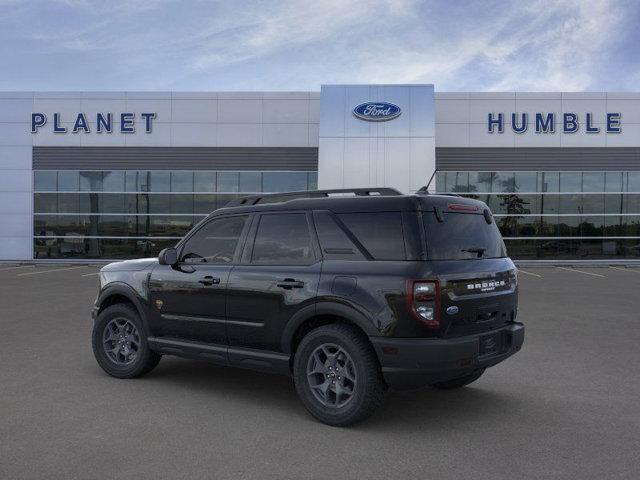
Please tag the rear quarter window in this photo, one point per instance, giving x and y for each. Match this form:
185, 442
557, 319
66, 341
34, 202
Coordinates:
380, 233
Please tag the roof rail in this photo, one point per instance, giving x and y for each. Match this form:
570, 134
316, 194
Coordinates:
284, 197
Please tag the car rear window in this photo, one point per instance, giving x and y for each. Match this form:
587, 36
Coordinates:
461, 236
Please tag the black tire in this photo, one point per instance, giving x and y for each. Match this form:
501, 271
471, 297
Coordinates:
460, 381
368, 388
141, 361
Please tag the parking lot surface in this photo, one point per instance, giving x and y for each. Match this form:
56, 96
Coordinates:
566, 406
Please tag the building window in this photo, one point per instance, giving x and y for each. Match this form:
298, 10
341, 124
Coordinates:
129, 213
558, 215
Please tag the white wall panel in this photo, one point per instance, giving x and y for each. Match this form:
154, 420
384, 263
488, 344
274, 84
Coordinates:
330, 161
46, 136
15, 181
452, 111
15, 158
285, 111
452, 134
103, 139
239, 135
160, 137
16, 248
162, 109
478, 137
583, 139
194, 111
15, 202
16, 109
193, 134
314, 130
15, 225
630, 136
239, 111
285, 135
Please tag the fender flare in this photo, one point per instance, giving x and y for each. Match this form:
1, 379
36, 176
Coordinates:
347, 312
122, 289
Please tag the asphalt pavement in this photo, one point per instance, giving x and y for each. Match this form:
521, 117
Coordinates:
566, 406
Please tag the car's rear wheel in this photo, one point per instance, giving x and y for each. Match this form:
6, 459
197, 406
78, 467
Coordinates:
460, 381
337, 375
120, 343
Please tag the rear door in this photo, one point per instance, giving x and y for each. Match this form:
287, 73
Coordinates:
278, 276
477, 280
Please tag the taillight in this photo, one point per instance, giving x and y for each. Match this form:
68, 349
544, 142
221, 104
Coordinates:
423, 297
513, 277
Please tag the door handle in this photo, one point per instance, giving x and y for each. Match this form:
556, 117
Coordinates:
209, 280
289, 283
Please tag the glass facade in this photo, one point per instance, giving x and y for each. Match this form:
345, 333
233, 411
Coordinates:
128, 214
558, 215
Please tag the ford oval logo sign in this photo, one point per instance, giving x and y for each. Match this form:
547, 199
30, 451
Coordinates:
377, 111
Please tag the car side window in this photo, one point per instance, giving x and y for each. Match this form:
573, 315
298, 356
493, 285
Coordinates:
215, 242
283, 239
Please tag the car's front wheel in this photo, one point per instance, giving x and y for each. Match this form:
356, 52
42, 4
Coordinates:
337, 375
120, 343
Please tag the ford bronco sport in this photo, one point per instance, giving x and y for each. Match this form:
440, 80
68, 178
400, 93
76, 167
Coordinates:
349, 292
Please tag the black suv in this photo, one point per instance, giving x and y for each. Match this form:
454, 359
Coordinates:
349, 292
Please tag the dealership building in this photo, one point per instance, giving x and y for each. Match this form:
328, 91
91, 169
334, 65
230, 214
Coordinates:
106, 175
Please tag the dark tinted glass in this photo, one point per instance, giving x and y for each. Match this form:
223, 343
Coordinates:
283, 239
458, 233
181, 181
228, 181
334, 242
380, 233
284, 181
113, 181
159, 182
93, 182
215, 242
204, 181
45, 181
68, 181
250, 182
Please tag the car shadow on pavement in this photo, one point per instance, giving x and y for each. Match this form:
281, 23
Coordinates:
406, 410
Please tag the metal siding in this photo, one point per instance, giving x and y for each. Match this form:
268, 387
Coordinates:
175, 158
537, 159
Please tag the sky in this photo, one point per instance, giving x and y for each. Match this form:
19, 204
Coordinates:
184, 45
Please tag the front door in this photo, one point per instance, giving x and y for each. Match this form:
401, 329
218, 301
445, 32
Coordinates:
278, 276
189, 299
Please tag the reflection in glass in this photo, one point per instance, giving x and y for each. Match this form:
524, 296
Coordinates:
228, 181
45, 181
113, 181
92, 182
68, 181
204, 181
181, 181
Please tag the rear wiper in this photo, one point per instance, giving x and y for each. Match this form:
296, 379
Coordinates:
479, 250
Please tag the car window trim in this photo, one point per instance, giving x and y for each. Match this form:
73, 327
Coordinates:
247, 254
203, 224
349, 234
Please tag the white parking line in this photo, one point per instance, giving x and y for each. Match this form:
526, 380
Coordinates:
89, 274
49, 271
632, 270
15, 268
530, 273
581, 271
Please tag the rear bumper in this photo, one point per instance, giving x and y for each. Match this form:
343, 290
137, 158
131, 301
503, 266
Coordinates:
416, 362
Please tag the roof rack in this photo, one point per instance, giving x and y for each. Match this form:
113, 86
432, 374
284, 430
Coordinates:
284, 197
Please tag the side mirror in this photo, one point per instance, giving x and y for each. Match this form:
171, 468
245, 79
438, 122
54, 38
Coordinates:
168, 256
